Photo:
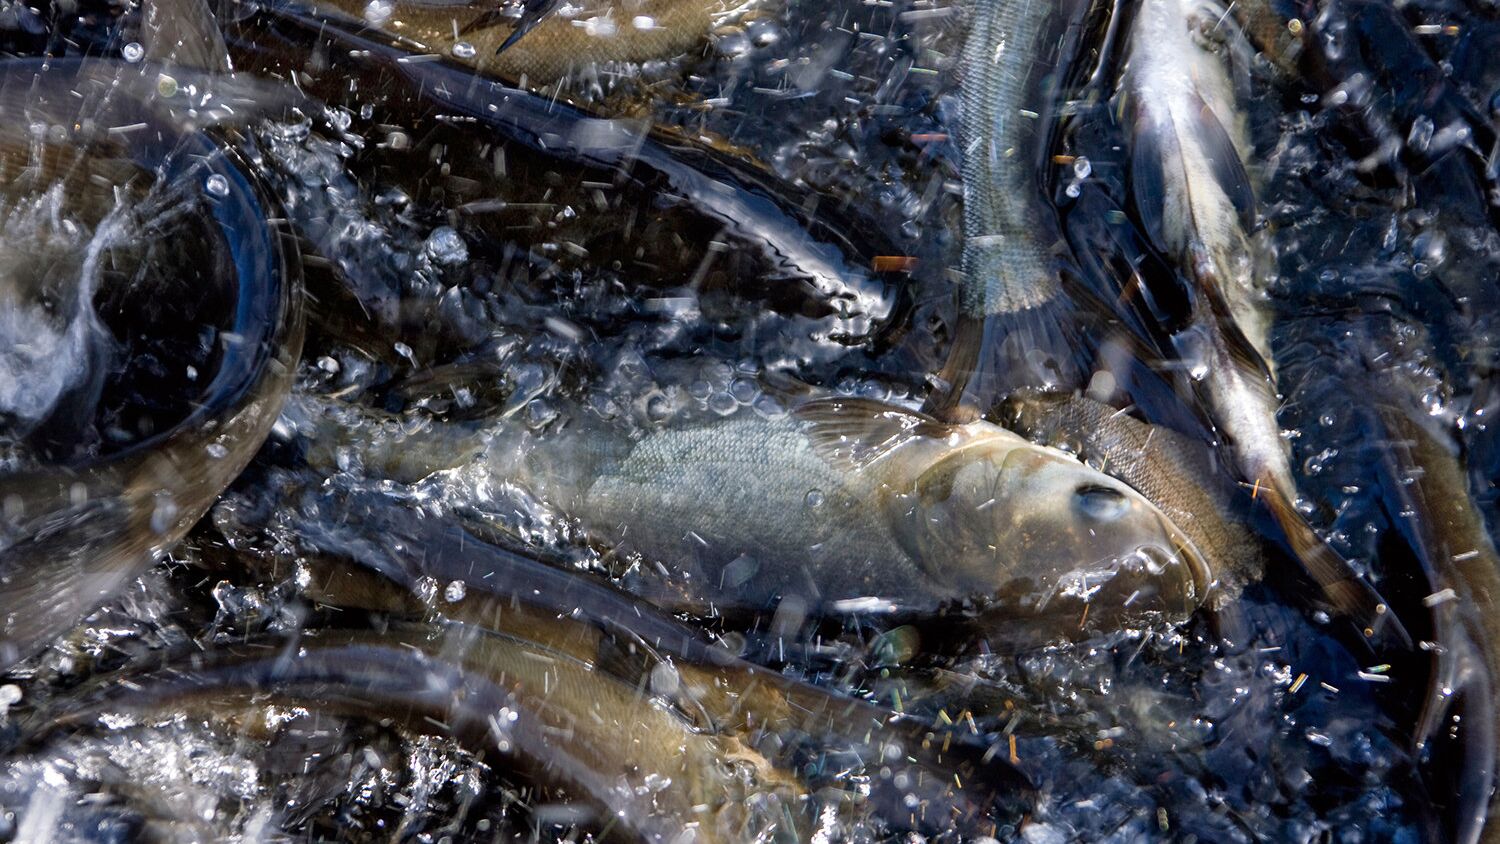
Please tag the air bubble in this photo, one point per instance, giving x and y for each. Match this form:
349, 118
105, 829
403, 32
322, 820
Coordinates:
455, 592
463, 50
133, 52
217, 185
814, 498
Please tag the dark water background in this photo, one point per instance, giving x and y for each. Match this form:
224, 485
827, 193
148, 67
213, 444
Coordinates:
428, 300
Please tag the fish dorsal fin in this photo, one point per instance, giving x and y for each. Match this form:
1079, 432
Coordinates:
852, 433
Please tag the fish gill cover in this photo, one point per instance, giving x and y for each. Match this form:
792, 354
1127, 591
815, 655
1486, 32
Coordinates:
668, 420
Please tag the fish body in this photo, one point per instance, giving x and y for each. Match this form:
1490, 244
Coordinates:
564, 40
1195, 200
845, 500
1430, 501
1015, 324
548, 715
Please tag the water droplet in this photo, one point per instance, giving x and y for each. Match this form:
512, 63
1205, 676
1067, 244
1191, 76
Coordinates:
217, 451
133, 52
166, 86
446, 246
814, 498
1082, 168
217, 185
455, 592
425, 588
464, 50
643, 22
379, 11
722, 403
664, 680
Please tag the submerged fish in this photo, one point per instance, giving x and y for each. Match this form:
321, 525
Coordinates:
1015, 324
787, 721
1194, 198
540, 712
556, 42
1431, 505
840, 500
73, 532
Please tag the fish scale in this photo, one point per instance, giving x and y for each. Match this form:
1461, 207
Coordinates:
711, 481
1006, 267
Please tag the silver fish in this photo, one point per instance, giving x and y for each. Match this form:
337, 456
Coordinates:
841, 500
1015, 323
1195, 198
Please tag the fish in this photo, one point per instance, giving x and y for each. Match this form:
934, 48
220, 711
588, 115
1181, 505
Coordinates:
1175, 472
75, 530
838, 501
556, 42
1016, 324
1195, 200
1431, 506
816, 259
948, 770
542, 713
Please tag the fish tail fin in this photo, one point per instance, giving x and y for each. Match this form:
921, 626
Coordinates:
1045, 347
1347, 593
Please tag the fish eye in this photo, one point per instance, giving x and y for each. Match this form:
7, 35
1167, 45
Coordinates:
1100, 503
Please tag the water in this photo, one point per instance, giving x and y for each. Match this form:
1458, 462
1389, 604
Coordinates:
458, 275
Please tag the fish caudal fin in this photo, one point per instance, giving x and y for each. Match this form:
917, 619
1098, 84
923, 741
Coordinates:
1043, 347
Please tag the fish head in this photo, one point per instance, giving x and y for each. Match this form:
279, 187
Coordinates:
1034, 533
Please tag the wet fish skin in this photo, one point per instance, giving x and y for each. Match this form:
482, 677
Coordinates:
749, 209
554, 45
842, 499
554, 717
1016, 323
722, 694
73, 535
1195, 199
1175, 472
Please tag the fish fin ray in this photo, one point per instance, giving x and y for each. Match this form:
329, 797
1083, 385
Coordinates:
1224, 160
1043, 347
852, 433
1347, 593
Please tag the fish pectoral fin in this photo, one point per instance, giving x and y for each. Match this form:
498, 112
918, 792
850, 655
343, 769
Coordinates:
1157, 140
1225, 163
851, 433
1148, 177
